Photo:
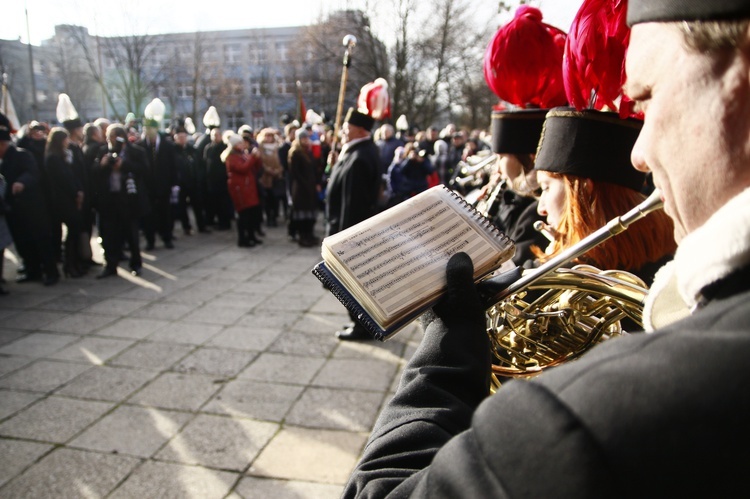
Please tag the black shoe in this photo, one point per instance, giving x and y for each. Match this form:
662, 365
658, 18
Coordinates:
204, 230
353, 333
50, 280
150, 246
168, 245
22, 278
246, 244
260, 233
137, 272
107, 272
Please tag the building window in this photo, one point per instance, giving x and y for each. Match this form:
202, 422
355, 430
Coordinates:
232, 53
281, 51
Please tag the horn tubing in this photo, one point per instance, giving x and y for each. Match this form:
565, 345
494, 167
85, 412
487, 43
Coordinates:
612, 228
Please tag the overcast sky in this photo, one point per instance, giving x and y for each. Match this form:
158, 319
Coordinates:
108, 17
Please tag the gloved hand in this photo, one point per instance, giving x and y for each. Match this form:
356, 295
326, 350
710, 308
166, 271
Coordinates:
461, 302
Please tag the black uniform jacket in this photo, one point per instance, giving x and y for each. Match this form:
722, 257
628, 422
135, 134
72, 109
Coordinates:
650, 415
352, 190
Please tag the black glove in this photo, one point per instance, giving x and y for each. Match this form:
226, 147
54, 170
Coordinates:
461, 302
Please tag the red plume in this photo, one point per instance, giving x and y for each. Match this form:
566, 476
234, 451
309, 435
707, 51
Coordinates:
523, 62
594, 64
374, 100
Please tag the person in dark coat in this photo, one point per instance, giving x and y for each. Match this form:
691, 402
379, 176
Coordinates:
352, 190
656, 415
289, 136
67, 196
303, 187
119, 181
187, 174
218, 202
26, 211
161, 184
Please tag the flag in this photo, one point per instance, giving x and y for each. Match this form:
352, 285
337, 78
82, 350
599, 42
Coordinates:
7, 108
301, 109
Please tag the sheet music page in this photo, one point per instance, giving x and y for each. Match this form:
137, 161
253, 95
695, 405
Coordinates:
398, 257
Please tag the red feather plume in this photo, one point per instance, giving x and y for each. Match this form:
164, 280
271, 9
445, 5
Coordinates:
374, 100
523, 61
594, 63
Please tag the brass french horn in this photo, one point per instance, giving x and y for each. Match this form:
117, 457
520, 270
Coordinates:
574, 308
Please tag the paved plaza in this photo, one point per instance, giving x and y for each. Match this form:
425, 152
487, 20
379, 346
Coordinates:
215, 374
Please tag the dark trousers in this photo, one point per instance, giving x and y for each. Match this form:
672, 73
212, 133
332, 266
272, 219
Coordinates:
159, 220
116, 226
190, 197
36, 249
219, 204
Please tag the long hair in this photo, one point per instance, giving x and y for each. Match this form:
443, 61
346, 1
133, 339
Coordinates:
55, 141
646, 241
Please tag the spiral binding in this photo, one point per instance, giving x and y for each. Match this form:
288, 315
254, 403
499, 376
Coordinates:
481, 220
334, 286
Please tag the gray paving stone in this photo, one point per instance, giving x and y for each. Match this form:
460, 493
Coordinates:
92, 350
115, 306
360, 373
78, 323
268, 320
38, 344
10, 335
252, 399
71, 302
325, 456
132, 328
325, 324
107, 383
304, 344
71, 473
245, 338
214, 313
10, 363
263, 488
177, 391
24, 297
215, 361
163, 310
11, 402
327, 304
336, 409
219, 442
32, 322
16, 455
54, 419
193, 296
147, 355
190, 334
240, 300
42, 375
280, 368
135, 431
175, 481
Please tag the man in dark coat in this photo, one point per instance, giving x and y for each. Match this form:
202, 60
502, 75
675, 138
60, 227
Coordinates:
161, 184
649, 415
352, 191
26, 210
118, 177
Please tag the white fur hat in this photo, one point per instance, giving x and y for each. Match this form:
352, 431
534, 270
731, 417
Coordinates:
232, 139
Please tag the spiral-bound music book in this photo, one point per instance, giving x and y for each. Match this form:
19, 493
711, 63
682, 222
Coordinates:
390, 268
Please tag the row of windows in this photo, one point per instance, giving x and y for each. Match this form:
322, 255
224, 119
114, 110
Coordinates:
282, 88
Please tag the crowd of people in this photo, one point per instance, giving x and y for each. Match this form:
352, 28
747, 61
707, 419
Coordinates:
136, 181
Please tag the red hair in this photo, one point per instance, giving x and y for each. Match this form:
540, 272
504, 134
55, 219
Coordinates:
646, 241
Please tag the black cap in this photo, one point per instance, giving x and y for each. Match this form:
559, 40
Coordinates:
4, 127
590, 144
71, 125
643, 11
354, 117
517, 132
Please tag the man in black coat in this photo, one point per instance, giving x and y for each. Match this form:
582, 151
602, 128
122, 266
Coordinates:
352, 191
118, 178
26, 214
649, 415
161, 184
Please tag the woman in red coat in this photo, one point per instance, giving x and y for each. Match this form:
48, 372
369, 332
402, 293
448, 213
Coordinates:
242, 173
